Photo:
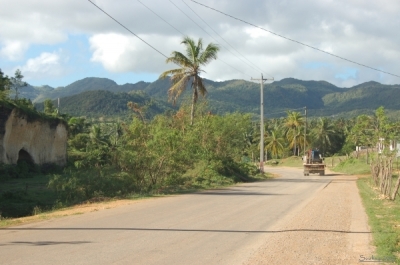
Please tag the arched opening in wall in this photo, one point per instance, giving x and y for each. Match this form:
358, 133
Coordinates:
25, 160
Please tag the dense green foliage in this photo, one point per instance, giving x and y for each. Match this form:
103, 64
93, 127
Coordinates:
146, 157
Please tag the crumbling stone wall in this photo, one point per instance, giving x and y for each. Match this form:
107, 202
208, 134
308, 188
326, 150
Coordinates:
44, 141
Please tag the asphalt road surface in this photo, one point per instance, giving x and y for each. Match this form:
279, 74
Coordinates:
224, 226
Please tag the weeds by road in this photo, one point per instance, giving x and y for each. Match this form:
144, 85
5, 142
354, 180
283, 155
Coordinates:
384, 219
37, 202
353, 166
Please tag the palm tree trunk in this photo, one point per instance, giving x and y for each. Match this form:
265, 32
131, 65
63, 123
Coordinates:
194, 99
294, 146
193, 103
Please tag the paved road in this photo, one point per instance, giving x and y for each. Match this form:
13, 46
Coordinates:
224, 226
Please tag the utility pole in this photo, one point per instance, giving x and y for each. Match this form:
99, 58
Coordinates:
305, 129
262, 80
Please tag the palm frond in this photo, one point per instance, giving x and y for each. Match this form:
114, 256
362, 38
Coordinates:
191, 49
170, 72
179, 59
209, 54
178, 88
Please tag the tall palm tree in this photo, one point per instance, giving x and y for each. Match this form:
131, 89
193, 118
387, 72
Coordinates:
190, 69
293, 123
295, 137
275, 142
322, 133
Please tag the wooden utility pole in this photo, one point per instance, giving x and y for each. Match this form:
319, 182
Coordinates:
305, 129
262, 80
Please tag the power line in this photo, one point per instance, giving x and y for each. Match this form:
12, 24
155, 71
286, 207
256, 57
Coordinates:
128, 29
208, 35
255, 67
160, 17
144, 40
181, 31
298, 42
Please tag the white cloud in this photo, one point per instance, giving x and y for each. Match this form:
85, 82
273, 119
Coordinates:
13, 50
109, 49
47, 65
120, 53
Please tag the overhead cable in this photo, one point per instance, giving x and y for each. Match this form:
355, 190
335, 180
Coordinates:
295, 41
160, 17
148, 44
255, 67
208, 35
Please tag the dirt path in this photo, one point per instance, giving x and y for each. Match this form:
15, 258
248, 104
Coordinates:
330, 229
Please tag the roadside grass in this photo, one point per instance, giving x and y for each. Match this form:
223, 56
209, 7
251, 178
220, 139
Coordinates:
25, 200
353, 166
292, 161
26, 196
384, 220
383, 214
333, 161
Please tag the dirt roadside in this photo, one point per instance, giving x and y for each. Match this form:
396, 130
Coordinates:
330, 229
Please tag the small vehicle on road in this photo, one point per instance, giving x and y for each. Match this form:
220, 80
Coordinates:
313, 162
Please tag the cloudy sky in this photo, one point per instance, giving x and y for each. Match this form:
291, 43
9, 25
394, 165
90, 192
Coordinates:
58, 42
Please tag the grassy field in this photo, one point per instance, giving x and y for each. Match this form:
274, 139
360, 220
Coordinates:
26, 196
384, 220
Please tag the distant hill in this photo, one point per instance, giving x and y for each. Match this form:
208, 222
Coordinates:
320, 97
370, 95
86, 84
101, 103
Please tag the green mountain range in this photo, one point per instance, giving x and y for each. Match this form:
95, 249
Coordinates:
103, 97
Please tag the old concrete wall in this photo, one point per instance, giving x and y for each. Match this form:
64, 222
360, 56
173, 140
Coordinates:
45, 141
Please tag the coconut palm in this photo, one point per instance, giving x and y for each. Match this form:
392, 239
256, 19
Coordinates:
190, 68
323, 133
292, 125
275, 142
295, 137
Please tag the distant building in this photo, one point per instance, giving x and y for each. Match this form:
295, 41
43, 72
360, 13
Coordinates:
395, 146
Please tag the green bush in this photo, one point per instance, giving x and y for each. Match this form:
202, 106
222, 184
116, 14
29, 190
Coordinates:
7, 172
79, 185
22, 170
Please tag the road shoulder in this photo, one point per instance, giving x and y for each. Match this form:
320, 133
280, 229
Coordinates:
331, 229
